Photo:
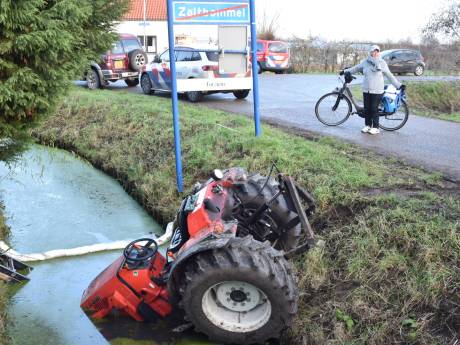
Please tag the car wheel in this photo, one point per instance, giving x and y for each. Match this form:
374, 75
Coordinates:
137, 59
132, 82
194, 96
146, 84
419, 70
241, 94
92, 79
259, 68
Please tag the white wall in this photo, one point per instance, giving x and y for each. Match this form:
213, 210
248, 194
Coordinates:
153, 28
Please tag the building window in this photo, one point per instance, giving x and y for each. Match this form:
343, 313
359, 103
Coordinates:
151, 43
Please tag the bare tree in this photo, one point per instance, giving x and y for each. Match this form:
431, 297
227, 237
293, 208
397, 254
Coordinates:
445, 22
268, 26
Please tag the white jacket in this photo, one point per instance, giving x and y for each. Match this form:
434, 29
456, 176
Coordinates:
373, 81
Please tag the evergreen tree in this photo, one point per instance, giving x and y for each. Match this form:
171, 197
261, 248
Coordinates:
44, 45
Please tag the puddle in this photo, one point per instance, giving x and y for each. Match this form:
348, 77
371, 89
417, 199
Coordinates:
54, 200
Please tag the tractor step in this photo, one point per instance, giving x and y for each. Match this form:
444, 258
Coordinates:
9, 268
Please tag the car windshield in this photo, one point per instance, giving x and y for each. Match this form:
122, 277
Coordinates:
278, 47
131, 44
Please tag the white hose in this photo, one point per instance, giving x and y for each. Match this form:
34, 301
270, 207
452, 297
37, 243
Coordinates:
98, 247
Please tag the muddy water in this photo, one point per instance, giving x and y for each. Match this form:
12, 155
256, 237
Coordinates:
54, 200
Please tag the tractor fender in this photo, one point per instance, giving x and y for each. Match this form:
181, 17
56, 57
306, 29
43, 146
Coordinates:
206, 244
97, 68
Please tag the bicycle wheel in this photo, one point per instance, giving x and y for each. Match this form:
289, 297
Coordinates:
392, 122
325, 112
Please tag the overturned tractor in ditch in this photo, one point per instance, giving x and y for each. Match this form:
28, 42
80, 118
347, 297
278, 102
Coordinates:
227, 263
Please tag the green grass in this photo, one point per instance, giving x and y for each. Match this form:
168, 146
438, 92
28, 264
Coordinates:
430, 72
388, 271
3, 298
439, 99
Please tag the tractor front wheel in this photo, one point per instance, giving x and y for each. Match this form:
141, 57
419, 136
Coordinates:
243, 293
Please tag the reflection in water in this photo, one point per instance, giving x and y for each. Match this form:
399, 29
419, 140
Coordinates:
54, 200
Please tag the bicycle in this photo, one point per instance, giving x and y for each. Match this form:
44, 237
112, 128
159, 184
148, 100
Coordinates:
336, 107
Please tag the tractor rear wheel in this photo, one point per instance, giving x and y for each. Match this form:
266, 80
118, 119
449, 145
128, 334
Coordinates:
242, 293
277, 224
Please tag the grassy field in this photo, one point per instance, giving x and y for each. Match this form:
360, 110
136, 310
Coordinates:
440, 99
3, 233
389, 271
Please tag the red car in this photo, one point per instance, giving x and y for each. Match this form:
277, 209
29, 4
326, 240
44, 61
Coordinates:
124, 61
273, 56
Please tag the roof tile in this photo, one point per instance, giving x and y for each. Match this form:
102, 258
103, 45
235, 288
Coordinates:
155, 10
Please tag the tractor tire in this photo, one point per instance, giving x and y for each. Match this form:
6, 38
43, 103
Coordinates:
243, 293
277, 224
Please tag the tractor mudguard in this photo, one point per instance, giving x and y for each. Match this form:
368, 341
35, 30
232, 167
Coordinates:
208, 243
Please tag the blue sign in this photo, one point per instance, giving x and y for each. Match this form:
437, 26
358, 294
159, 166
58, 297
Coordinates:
211, 12
214, 12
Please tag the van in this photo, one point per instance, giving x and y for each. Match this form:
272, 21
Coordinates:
273, 56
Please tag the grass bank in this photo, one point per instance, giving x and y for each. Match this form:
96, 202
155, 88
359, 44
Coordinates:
3, 298
389, 271
439, 99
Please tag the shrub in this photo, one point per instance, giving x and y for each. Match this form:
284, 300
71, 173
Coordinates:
44, 44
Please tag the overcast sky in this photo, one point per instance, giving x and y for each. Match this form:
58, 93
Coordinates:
366, 20
356, 20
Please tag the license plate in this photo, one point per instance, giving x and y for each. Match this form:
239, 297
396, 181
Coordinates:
119, 64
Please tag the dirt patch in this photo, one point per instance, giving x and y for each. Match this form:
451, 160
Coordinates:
448, 188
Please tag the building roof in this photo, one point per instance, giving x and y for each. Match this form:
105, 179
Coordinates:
155, 10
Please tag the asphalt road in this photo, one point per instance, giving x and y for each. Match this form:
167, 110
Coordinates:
289, 100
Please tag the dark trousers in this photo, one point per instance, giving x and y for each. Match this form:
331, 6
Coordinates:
371, 108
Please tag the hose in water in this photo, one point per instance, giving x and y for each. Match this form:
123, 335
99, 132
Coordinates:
94, 248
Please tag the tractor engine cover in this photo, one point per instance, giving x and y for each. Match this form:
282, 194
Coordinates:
134, 289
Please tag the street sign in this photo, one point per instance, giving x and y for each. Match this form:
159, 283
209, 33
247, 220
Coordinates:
213, 12
233, 38
204, 12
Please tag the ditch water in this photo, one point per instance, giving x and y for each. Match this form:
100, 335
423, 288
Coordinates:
54, 200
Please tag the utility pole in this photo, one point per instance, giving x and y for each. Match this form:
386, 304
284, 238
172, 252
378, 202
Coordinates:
145, 24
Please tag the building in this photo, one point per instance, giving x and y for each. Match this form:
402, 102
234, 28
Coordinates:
154, 30
147, 19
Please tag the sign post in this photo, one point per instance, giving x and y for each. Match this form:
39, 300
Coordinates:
255, 72
174, 98
208, 12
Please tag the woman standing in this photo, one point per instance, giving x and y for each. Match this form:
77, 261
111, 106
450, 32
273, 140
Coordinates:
373, 68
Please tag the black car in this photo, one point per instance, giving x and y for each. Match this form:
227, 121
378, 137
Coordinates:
404, 61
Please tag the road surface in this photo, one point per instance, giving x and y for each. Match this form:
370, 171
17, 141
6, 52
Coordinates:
289, 100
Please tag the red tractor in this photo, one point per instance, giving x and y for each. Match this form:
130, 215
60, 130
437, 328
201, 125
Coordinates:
227, 264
